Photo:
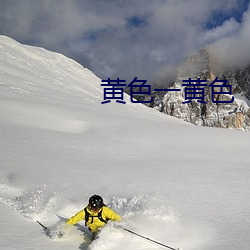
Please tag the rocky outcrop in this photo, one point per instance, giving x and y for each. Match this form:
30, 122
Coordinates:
234, 115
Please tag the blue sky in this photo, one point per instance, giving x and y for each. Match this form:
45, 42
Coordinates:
131, 38
218, 16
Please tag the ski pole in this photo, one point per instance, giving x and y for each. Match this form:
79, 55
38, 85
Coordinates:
146, 238
45, 228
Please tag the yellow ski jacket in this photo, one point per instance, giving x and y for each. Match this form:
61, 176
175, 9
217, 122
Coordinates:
94, 223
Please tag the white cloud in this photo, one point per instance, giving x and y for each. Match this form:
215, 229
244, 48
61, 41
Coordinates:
98, 33
228, 28
233, 50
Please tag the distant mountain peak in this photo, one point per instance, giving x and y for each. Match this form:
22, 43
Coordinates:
203, 65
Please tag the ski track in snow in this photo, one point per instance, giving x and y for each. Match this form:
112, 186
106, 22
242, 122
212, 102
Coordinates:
43, 117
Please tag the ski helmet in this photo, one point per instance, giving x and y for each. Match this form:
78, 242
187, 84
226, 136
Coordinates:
95, 202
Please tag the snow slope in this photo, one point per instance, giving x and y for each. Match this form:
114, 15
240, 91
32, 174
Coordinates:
176, 183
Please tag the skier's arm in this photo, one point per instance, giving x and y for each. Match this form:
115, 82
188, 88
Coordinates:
77, 217
110, 214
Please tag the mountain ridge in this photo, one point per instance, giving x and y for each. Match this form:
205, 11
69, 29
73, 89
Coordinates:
200, 65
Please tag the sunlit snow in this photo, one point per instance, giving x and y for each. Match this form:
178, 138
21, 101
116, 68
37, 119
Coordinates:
181, 185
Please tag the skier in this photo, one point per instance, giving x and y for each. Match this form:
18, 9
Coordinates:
95, 214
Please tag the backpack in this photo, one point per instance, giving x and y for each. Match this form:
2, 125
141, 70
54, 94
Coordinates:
88, 216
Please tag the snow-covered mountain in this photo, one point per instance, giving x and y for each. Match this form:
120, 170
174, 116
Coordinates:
182, 185
210, 113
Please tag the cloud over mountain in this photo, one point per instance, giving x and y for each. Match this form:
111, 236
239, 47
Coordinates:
129, 39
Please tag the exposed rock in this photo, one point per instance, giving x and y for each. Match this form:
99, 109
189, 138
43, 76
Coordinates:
226, 115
